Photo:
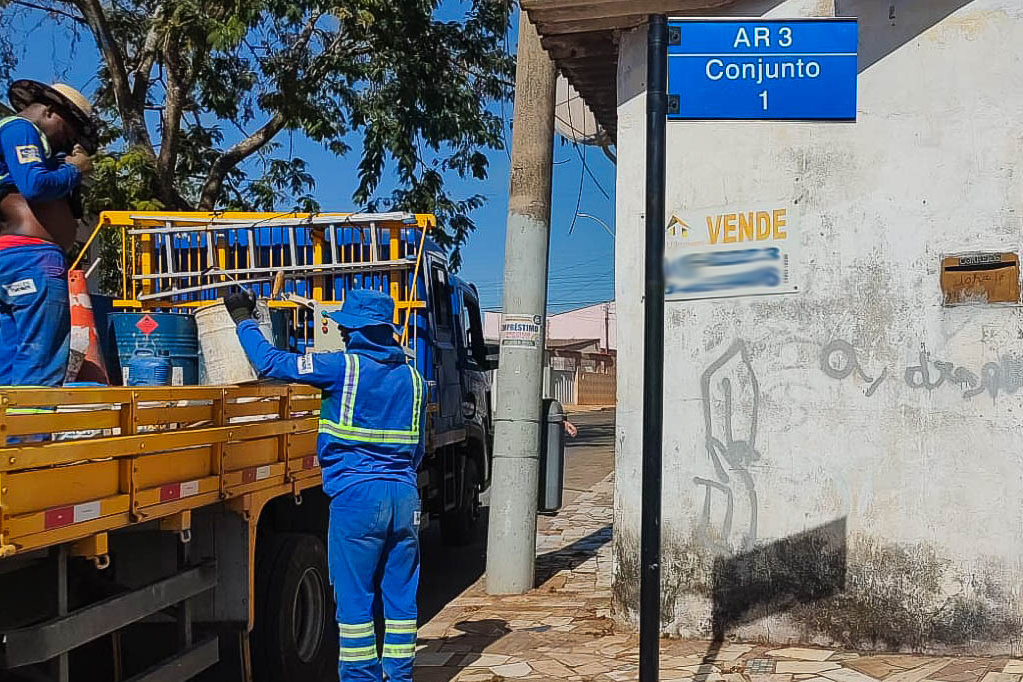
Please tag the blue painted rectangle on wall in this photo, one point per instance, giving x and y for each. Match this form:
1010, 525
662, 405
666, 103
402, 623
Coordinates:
762, 69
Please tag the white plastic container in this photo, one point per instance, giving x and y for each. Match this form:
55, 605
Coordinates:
221, 355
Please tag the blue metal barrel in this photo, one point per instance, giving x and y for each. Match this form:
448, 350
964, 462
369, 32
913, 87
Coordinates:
147, 368
170, 333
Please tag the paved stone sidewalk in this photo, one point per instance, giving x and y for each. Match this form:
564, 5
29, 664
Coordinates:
562, 630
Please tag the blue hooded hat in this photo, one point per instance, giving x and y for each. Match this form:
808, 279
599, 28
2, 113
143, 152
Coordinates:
365, 308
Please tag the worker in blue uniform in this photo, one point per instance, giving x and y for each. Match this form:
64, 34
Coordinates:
43, 158
370, 444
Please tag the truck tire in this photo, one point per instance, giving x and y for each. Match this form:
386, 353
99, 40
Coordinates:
295, 636
459, 526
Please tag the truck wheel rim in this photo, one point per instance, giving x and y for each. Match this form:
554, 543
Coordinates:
308, 614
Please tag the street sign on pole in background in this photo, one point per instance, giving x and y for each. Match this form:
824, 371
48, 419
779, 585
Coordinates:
789, 69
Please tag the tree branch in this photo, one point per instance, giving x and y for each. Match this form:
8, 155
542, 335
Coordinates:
242, 150
174, 102
235, 155
132, 115
50, 10
147, 57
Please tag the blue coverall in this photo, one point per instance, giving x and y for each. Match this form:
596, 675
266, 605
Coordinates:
370, 444
35, 318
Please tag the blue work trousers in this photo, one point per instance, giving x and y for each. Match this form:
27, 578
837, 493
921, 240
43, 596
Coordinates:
374, 552
35, 317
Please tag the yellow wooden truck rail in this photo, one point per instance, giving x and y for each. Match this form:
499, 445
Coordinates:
77, 463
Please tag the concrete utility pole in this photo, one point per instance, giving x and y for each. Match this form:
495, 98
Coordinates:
511, 546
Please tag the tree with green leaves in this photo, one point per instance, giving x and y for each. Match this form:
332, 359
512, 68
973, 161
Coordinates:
196, 96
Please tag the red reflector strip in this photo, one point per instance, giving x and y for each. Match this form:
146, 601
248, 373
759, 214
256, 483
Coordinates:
309, 461
65, 516
253, 474
175, 491
56, 518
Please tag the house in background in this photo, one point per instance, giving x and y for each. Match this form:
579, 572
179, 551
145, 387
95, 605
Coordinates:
580, 362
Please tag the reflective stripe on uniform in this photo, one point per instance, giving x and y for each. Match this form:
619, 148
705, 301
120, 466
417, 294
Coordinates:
31, 410
42, 137
345, 428
348, 390
399, 651
368, 435
358, 653
356, 631
400, 627
417, 397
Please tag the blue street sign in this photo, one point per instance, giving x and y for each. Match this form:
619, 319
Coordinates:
742, 69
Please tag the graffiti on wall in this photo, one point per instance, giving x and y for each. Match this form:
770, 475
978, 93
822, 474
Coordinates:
840, 361
730, 395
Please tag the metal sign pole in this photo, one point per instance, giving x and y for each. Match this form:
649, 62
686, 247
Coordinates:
653, 351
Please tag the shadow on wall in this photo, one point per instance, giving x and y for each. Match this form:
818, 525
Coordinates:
887, 26
776, 577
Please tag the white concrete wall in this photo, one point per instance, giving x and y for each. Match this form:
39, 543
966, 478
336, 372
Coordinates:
893, 519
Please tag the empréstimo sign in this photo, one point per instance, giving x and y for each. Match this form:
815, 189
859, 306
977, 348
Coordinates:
521, 331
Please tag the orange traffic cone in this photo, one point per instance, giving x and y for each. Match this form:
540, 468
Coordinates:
85, 361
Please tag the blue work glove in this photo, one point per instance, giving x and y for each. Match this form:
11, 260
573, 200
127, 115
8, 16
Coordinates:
241, 305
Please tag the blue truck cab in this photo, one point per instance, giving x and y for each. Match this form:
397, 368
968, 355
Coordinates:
449, 347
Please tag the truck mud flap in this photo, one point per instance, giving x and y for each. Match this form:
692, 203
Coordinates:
52, 638
184, 665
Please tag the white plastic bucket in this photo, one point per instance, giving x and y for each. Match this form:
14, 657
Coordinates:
222, 357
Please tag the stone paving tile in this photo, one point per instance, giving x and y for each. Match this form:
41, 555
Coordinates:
962, 670
595, 668
1013, 667
849, 675
905, 661
475, 676
920, 672
552, 668
483, 660
878, 668
805, 667
773, 677
730, 652
432, 659
520, 669
801, 654
1000, 677
675, 676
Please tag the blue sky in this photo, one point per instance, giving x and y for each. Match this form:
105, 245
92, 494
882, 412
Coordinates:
581, 262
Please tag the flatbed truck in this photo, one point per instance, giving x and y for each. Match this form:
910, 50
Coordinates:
178, 532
